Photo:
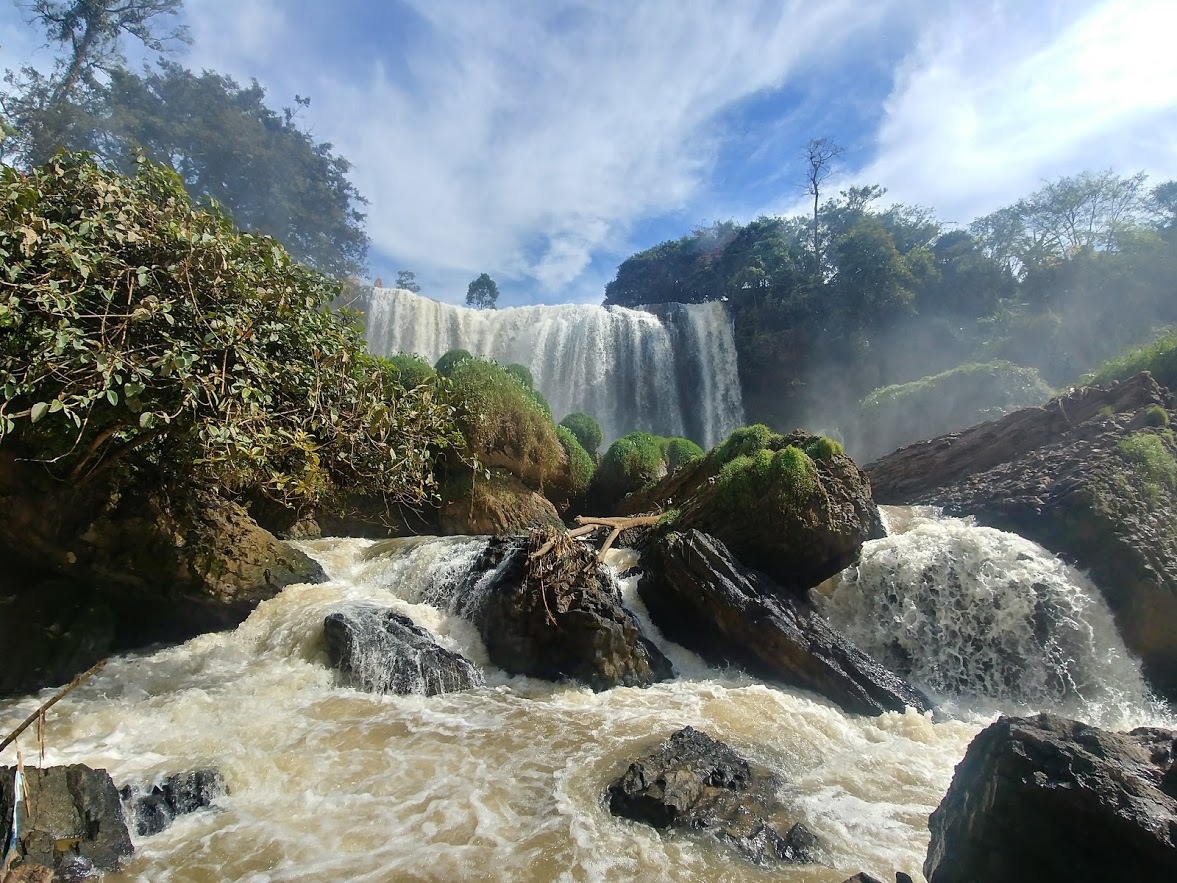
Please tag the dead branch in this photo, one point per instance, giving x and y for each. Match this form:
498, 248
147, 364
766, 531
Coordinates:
49, 703
589, 524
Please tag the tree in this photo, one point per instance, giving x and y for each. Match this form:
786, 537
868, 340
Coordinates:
407, 280
820, 154
483, 293
269, 174
44, 110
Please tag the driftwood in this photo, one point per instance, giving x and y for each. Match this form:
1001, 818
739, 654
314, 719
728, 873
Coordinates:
49, 703
590, 524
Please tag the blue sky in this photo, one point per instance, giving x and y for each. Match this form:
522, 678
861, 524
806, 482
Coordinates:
544, 141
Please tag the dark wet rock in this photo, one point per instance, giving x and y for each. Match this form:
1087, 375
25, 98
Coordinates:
799, 537
702, 598
381, 651
864, 877
91, 570
1058, 476
1045, 798
695, 783
557, 617
151, 809
73, 818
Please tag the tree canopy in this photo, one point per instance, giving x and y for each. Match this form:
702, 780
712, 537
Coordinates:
482, 293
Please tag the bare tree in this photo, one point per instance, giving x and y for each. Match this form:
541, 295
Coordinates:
820, 154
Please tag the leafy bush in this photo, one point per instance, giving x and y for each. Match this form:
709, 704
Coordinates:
586, 430
1153, 461
972, 393
580, 464
1158, 357
521, 373
679, 452
140, 333
822, 448
505, 423
446, 364
411, 370
1155, 415
632, 462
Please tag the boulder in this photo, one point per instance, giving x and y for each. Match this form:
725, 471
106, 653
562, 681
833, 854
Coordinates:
28, 873
702, 598
92, 570
151, 809
556, 616
499, 505
1070, 476
864, 877
1044, 798
695, 783
71, 820
382, 651
792, 506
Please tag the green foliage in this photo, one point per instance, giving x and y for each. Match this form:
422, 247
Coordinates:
586, 430
822, 448
789, 474
679, 452
411, 370
449, 360
744, 441
1158, 357
1153, 461
505, 423
521, 373
482, 293
580, 464
140, 333
407, 280
1155, 415
633, 461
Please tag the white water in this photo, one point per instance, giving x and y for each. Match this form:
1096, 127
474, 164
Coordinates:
627, 368
503, 783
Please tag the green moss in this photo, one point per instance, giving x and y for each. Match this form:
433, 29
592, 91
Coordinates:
410, 370
586, 430
521, 373
795, 475
446, 364
1158, 357
789, 473
822, 448
580, 464
1152, 461
1155, 415
633, 461
744, 478
669, 518
744, 441
679, 452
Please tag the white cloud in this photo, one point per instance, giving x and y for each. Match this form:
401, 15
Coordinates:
984, 109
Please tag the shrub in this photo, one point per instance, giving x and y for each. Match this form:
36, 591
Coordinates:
580, 464
822, 448
504, 423
140, 333
679, 452
411, 370
1153, 461
586, 430
446, 364
521, 373
1155, 415
632, 462
744, 441
1158, 357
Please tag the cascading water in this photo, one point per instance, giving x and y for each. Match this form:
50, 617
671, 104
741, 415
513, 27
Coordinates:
505, 782
979, 615
629, 369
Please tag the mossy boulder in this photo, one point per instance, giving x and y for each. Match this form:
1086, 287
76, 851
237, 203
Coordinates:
500, 504
587, 431
793, 506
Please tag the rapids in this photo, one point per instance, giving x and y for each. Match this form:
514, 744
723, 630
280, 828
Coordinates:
505, 782
671, 374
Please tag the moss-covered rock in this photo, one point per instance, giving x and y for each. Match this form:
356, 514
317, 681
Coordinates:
578, 471
498, 505
587, 431
780, 510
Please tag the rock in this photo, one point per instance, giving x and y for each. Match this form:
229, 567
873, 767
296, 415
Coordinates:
92, 570
72, 817
798, 517
1044, 798
382, 651
695, 783
702, 598
864, 877
558, 617
151, 811
1057, 475
29, 873
499, 506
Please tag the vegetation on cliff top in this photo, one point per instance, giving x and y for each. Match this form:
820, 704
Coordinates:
141, 333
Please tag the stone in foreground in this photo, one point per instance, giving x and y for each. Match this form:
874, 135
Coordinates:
151, 810
381, 651
695, 783
1044, 798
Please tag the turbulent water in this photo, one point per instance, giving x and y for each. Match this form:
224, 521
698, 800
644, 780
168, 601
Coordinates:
630, 369
505, 783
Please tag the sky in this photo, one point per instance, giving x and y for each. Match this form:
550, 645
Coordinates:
545, 141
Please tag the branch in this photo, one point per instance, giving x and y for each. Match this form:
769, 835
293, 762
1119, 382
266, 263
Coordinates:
589, 524
57, 697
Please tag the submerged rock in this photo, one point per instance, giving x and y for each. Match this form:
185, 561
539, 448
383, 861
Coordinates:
72, 819
382, 651
695, 783
151, 811
702, 598
558, 616
792, 506
1091, 476
1045, 798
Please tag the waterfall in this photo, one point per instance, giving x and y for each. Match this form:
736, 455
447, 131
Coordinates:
974, 613
670, 374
